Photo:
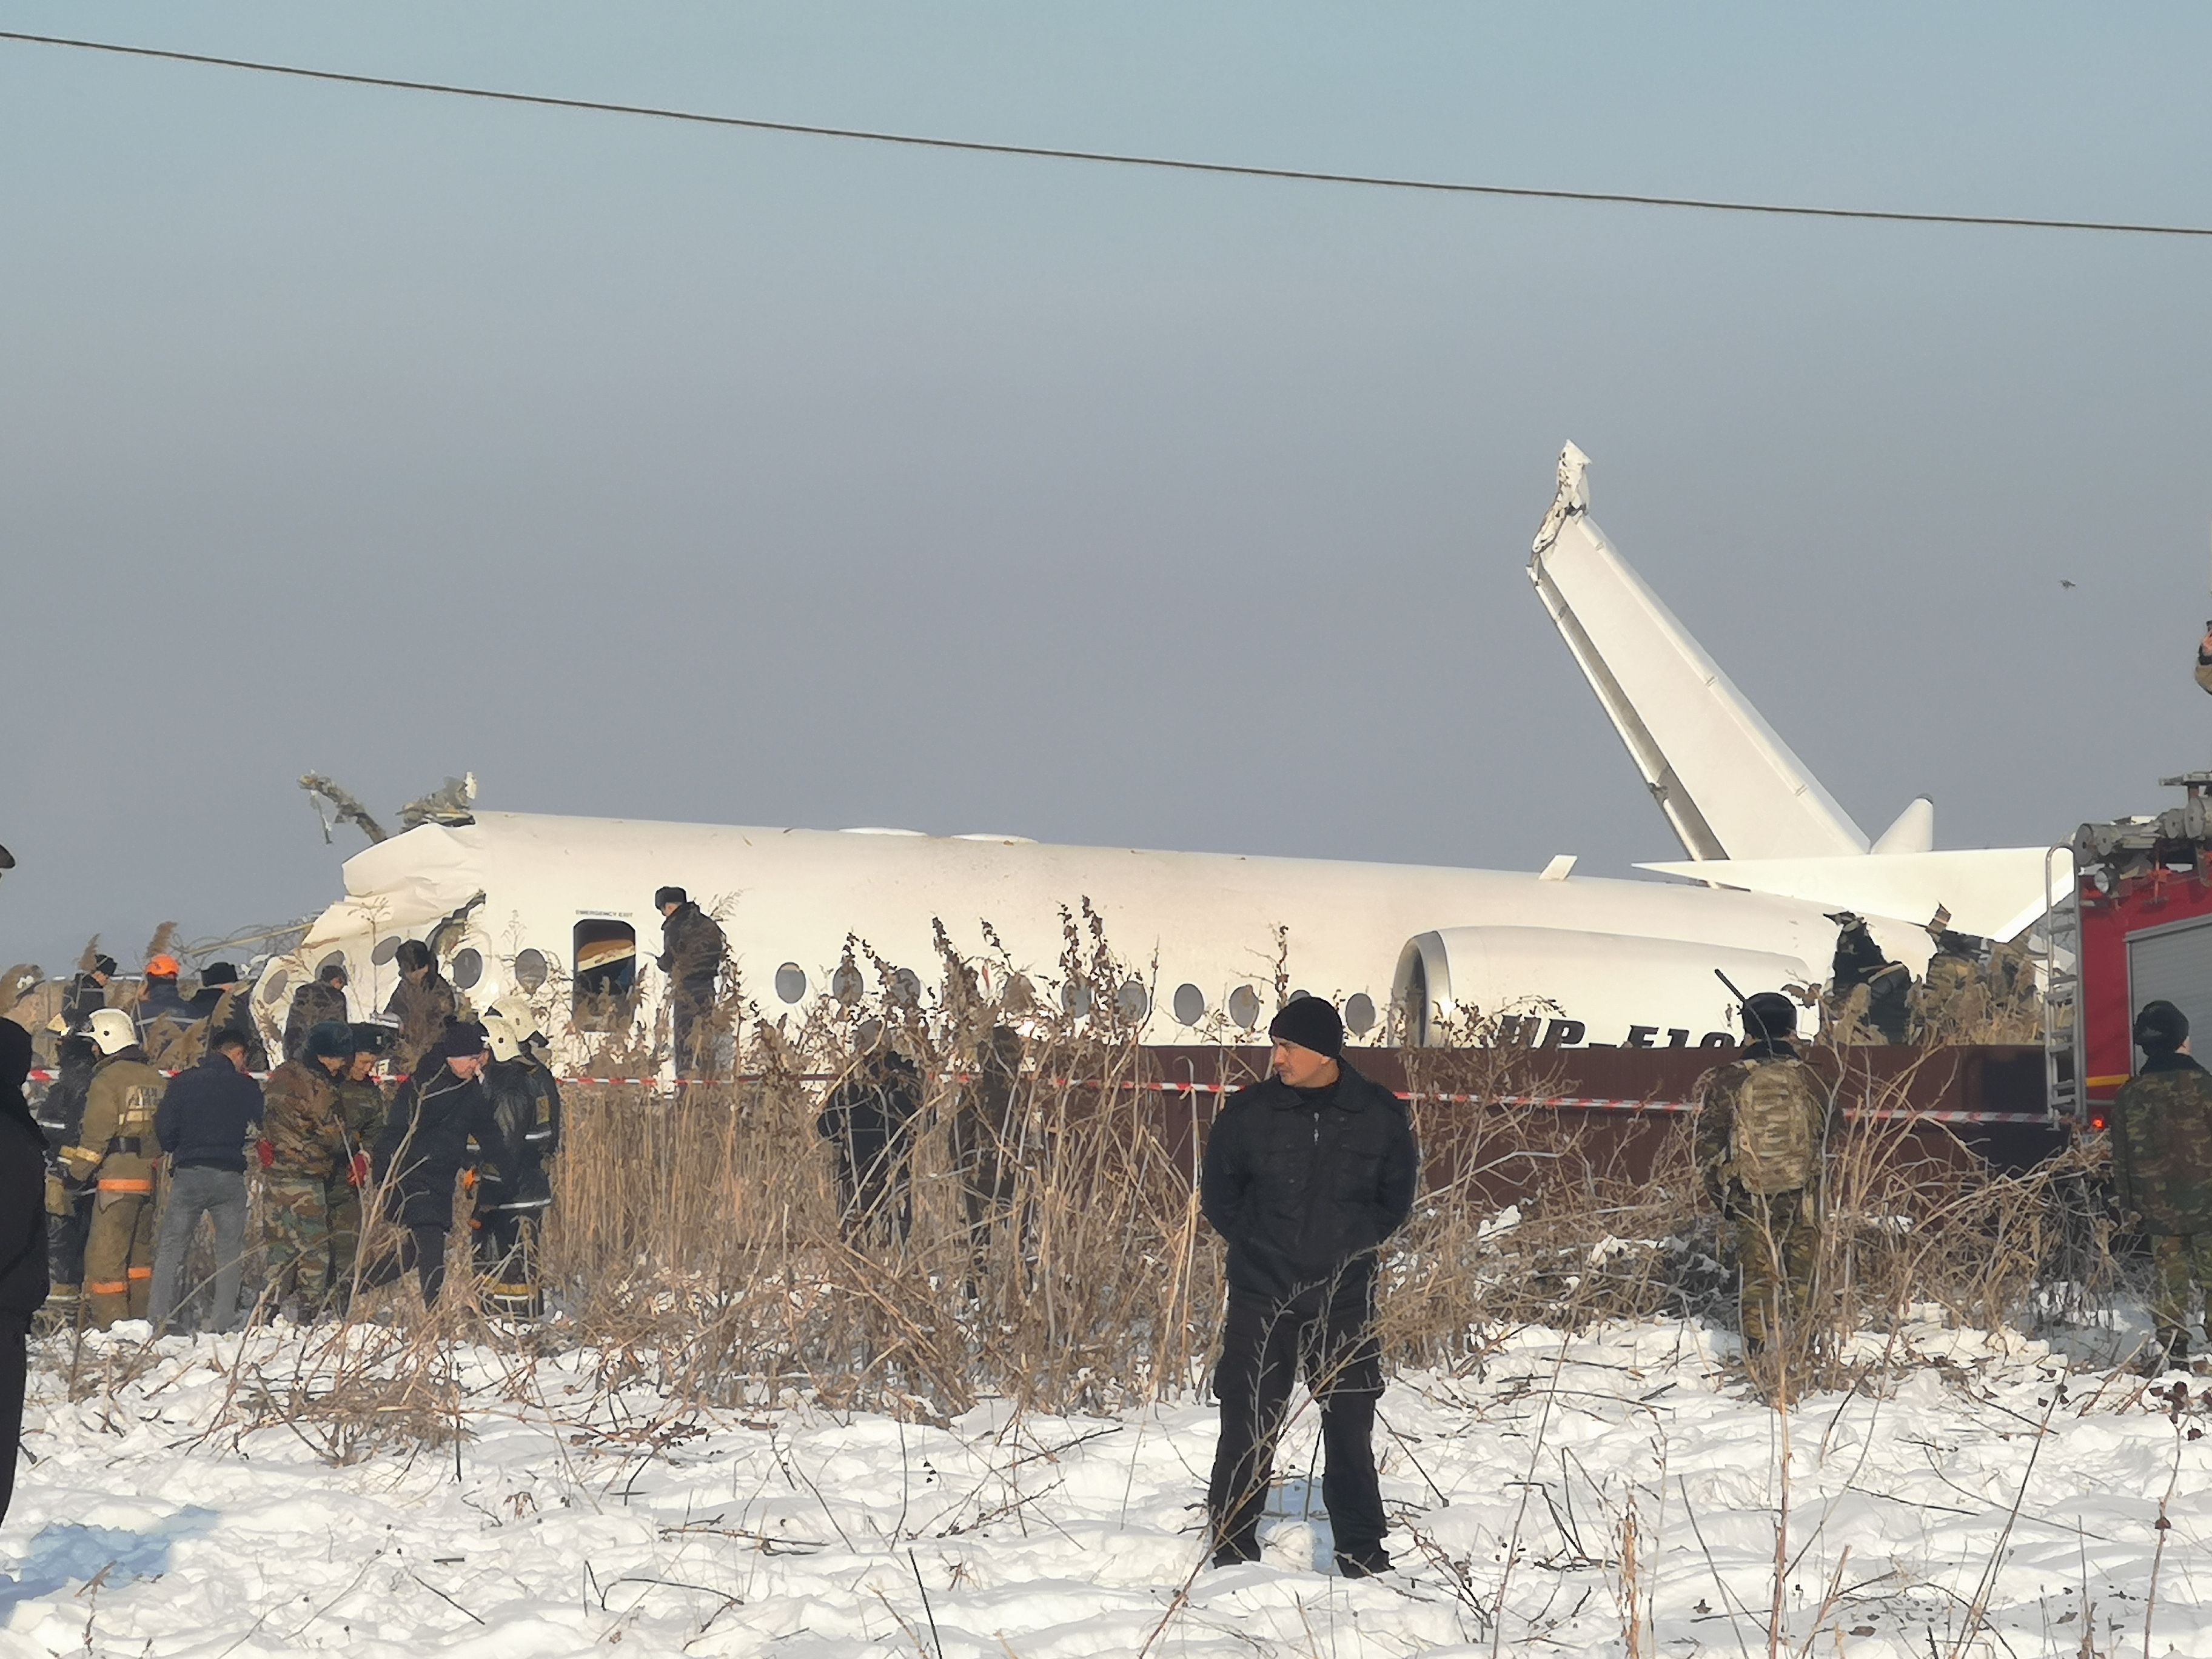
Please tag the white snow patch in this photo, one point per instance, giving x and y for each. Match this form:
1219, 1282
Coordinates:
1959, 1475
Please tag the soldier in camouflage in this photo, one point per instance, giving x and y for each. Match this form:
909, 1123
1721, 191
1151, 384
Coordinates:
2163, 1171
1952, 1004
361, 1108
302, 1150
1762, 1133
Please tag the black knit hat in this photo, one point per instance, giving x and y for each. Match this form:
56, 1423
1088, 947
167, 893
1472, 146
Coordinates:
412, 954
330, 1039
220, 973
463, 1037
668, 895
1311, 1023
1768, 1015
2161, 1028
104, 964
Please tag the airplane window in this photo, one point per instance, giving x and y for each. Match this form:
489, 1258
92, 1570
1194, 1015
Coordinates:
1075, 998
1299, 995
605, 955
1132, 1000
906, 988
1244, 1007
1360, 1014
275, 988
1189, 1004
386, 950
791, 982
335, 959
468, 967
846, 985
530, 969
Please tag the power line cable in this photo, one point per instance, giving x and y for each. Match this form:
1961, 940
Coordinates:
1042, 152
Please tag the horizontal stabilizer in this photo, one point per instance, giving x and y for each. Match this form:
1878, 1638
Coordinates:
1993, 892
1914, 830
1727, 782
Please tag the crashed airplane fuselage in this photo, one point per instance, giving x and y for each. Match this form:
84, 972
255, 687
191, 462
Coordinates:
558, 911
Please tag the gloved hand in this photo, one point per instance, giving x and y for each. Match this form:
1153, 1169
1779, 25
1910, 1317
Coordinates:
266, 1152
58, 1193
357, 1170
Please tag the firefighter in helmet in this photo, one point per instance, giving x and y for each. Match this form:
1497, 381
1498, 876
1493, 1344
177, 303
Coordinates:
512, 1197
115, 1154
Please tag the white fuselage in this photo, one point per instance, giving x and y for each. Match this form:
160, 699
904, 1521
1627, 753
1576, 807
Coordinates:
1196, 931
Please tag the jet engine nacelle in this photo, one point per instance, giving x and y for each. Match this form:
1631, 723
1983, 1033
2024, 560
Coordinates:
1556, 987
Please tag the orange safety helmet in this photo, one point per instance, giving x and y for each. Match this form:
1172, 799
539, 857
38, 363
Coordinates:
165, 966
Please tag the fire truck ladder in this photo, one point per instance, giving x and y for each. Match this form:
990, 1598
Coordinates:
2062, 1003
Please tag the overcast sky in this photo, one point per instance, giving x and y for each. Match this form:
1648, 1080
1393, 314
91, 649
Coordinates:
669, 472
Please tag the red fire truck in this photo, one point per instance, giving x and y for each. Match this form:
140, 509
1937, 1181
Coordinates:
2140, 927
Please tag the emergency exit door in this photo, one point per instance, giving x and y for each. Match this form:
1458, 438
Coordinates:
2174, 963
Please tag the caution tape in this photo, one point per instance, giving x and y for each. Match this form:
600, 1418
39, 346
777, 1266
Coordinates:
1549, 1103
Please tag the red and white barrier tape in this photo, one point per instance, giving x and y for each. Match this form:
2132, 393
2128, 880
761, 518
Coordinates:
1552, 1103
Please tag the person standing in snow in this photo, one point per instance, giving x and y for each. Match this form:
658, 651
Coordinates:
691, 956
2162, 1172
115, 1154
302, 1150
439, 1111
868, 1121
22, 1242
1305, 1175
203, 1123
1761, 1148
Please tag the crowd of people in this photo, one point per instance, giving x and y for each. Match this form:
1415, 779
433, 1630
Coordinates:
161, 1113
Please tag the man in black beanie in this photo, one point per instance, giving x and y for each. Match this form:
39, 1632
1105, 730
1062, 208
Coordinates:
2162, 1172
1306, 1173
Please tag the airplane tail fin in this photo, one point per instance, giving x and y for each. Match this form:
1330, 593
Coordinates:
1728, 784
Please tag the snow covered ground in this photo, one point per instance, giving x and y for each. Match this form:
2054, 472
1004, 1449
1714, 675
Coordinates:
1980, 1499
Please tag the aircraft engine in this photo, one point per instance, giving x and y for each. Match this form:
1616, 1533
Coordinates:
1557, 988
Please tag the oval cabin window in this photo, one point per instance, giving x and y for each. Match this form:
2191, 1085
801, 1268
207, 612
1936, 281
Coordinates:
1359, 1013
1244, 1007
1133, 1001
1189, 1004
468, 968
791, 982
530, 970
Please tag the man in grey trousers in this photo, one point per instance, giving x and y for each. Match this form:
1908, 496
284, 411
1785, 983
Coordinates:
206, 1118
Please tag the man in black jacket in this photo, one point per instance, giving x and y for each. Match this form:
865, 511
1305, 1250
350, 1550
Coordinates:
224, 1002
868, 1120
23, 1241
206, 1116
1306, 1173
437, 1112
691, 957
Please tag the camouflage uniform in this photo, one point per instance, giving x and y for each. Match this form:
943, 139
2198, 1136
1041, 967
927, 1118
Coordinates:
303, 1129
361, 1107
115, 1148
1953, 1002
2162, 1173
1777, 1235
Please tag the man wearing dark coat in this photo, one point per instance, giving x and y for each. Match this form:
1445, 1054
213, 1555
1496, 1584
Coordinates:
1306, 1173
439, 1111
691, 957
22, 1242
868, 1121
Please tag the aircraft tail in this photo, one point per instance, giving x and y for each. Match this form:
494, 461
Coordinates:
1728, 784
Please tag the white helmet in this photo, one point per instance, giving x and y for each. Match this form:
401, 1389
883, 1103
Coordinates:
111, 1030
505, 1043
